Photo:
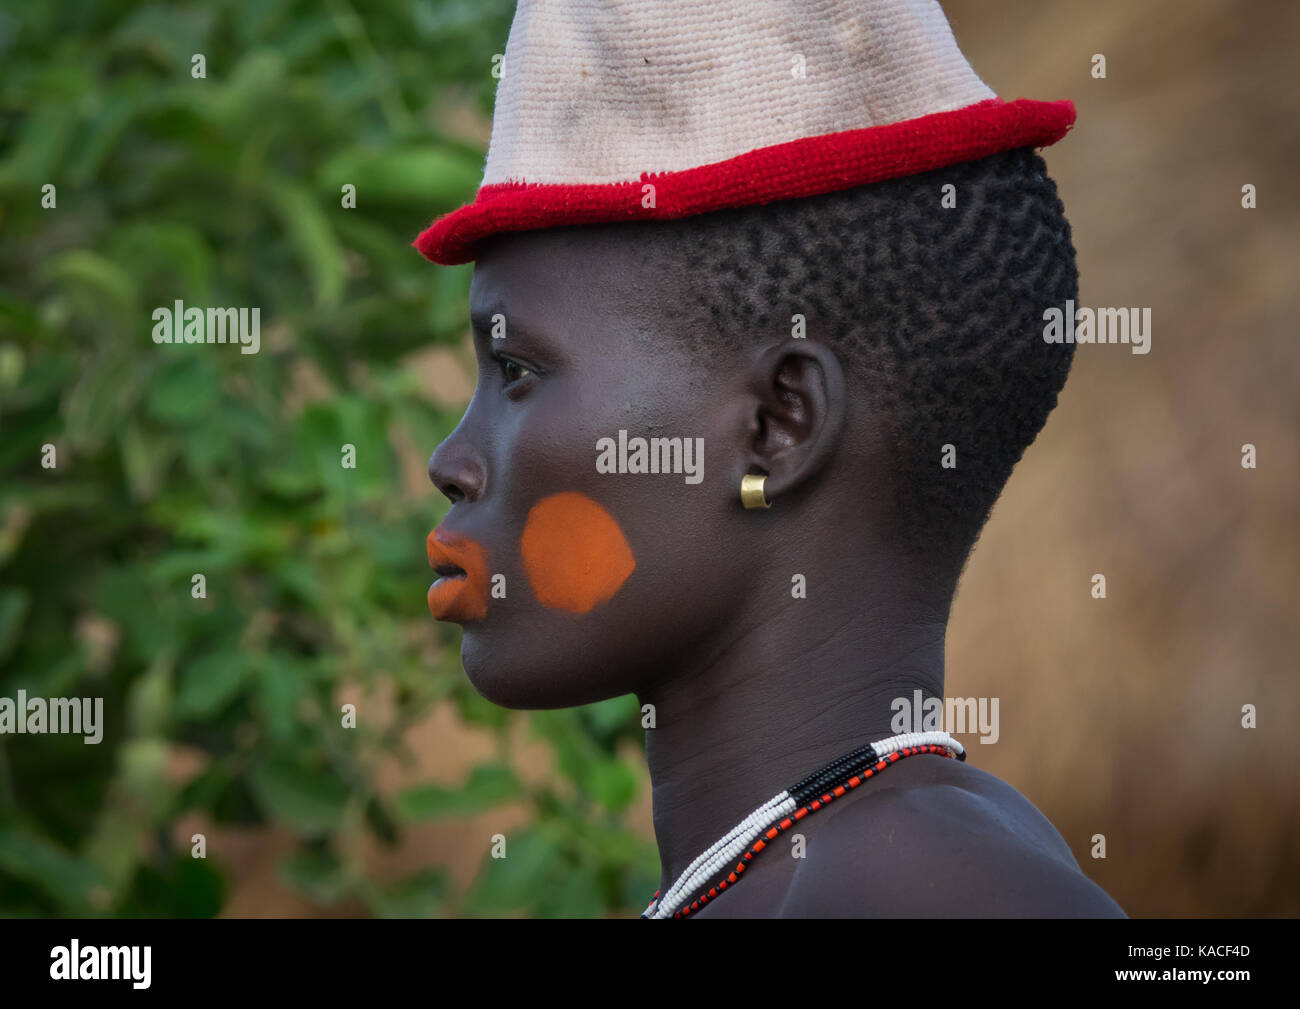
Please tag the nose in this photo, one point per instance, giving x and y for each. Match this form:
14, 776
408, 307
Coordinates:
456, 470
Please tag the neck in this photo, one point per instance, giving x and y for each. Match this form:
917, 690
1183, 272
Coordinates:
782, 698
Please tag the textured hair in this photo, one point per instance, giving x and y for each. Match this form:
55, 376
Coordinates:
935, 312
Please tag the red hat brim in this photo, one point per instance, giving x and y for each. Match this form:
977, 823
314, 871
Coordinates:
809, 166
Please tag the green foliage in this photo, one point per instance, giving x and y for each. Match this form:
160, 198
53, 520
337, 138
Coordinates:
176, 460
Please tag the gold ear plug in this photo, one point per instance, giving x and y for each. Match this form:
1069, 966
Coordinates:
751, 491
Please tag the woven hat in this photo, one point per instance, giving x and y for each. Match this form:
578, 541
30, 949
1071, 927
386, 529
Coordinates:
626, 110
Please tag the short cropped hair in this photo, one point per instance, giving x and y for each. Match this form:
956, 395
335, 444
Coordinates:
933, 298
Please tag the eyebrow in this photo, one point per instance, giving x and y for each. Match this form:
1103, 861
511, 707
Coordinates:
481, 322
481, 318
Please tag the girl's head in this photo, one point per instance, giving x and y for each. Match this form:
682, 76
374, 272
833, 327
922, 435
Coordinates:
877, 353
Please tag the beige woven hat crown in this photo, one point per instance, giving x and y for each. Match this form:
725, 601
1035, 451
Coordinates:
723, 103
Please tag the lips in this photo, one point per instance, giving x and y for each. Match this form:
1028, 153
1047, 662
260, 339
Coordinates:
461, 593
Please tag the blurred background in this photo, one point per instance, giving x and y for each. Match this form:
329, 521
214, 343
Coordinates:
1119, 717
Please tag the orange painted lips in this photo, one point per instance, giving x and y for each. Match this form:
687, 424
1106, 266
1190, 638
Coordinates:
461, 594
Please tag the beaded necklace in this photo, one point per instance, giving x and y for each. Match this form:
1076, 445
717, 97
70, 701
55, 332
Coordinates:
785, 809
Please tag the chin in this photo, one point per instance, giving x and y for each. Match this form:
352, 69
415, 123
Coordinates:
516, 675
488, 675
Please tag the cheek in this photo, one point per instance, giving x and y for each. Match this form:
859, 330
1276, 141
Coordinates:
574, 553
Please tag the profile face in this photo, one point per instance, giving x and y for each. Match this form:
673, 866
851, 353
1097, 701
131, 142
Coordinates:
612, 580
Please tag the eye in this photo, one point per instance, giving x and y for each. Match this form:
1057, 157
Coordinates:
512, 371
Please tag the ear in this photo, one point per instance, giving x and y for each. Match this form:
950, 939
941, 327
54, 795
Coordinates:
797, 414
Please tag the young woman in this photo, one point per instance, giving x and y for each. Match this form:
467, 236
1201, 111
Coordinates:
735, 435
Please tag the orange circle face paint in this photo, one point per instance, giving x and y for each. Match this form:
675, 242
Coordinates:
574, 552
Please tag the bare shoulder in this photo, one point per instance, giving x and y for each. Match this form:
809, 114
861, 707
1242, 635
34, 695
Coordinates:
940, 838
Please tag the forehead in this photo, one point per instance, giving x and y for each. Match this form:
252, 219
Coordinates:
573, 280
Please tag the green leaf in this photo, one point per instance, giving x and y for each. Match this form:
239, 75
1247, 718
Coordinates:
146, 455
616, 714
171, 258
308, 799
70, 880
100, 277
149, 702
142, 773
104, 133
612, 783
184, 389
282, 684
531, 861
576, 894
428, 178
312, 237
418, 896
488, 785
210, 682
42, 142
187, 888
13, 608
317, 875
167, 34
106, 390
